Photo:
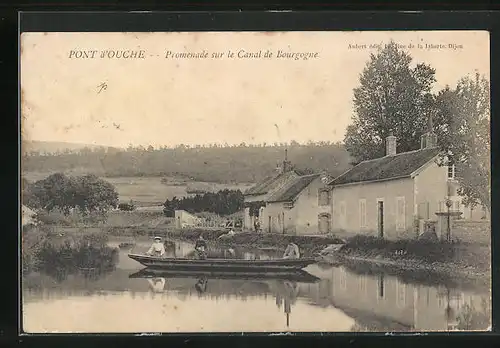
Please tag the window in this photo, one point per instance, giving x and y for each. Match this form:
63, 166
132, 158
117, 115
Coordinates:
424, 211
342, 214
400, 213
323, 197
451, 171
362, 213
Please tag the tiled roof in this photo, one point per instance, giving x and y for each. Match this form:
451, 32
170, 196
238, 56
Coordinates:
267, 184
385, 168
292, 189
261, 187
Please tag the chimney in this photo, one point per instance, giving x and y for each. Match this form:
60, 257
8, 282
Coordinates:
429, 139
287, 165
390, 145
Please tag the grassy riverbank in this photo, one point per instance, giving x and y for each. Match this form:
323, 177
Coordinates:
441, 259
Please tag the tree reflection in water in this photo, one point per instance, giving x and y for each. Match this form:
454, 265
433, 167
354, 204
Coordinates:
89, 257
472, 318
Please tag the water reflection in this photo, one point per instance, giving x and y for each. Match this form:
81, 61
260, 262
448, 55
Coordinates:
157, 284
201, 285
227, 285
381, 302
324, 298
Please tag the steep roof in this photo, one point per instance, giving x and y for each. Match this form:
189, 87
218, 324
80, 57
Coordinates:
268, 184
292, 189
386, 168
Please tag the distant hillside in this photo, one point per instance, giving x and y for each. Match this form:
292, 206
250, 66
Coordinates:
52, 147
231, 164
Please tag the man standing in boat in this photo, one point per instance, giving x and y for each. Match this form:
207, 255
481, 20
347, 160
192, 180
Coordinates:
201, 248
292, 251
157, 249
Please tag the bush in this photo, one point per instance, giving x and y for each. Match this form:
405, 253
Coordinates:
126, 206
422, 249
223, 202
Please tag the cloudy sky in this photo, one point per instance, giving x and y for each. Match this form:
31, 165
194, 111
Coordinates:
163, 101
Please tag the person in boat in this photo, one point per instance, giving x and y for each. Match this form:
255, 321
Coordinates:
230, 234
292, 251
201, 248
256, 225
157, 249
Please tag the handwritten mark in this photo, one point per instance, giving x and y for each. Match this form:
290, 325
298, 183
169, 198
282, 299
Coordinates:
101, 87
117, 126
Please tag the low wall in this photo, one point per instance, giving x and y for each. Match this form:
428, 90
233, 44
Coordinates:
472, 231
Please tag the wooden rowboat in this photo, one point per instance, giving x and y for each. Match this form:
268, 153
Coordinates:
235, 265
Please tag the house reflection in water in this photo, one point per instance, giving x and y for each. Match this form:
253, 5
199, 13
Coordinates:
382, 302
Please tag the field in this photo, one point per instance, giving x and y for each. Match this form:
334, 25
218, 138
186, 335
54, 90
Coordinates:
149, 191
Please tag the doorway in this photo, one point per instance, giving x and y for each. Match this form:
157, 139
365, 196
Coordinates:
270, 224
324, 223
380, 214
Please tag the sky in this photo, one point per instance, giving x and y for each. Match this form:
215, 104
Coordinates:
163, 101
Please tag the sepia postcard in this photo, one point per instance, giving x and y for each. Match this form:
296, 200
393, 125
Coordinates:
333, 181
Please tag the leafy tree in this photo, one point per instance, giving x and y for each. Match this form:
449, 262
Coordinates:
88, 193
54, 192
94, 194
392, 97
466, 137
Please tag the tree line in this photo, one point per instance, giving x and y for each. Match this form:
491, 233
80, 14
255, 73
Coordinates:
396, 96
232, 164
224, 202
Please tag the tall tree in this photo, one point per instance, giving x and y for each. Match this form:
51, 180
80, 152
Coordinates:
94, 194
466, 139
392, 97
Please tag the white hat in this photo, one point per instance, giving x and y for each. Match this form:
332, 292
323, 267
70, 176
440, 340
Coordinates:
157, 238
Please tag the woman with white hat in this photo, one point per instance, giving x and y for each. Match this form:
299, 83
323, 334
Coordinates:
157, 249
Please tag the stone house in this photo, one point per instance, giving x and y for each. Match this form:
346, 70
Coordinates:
393, 196
289, 203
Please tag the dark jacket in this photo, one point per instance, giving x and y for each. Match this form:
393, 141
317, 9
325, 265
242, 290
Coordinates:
200, 243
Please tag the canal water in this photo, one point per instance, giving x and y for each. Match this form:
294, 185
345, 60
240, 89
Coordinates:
126, 300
